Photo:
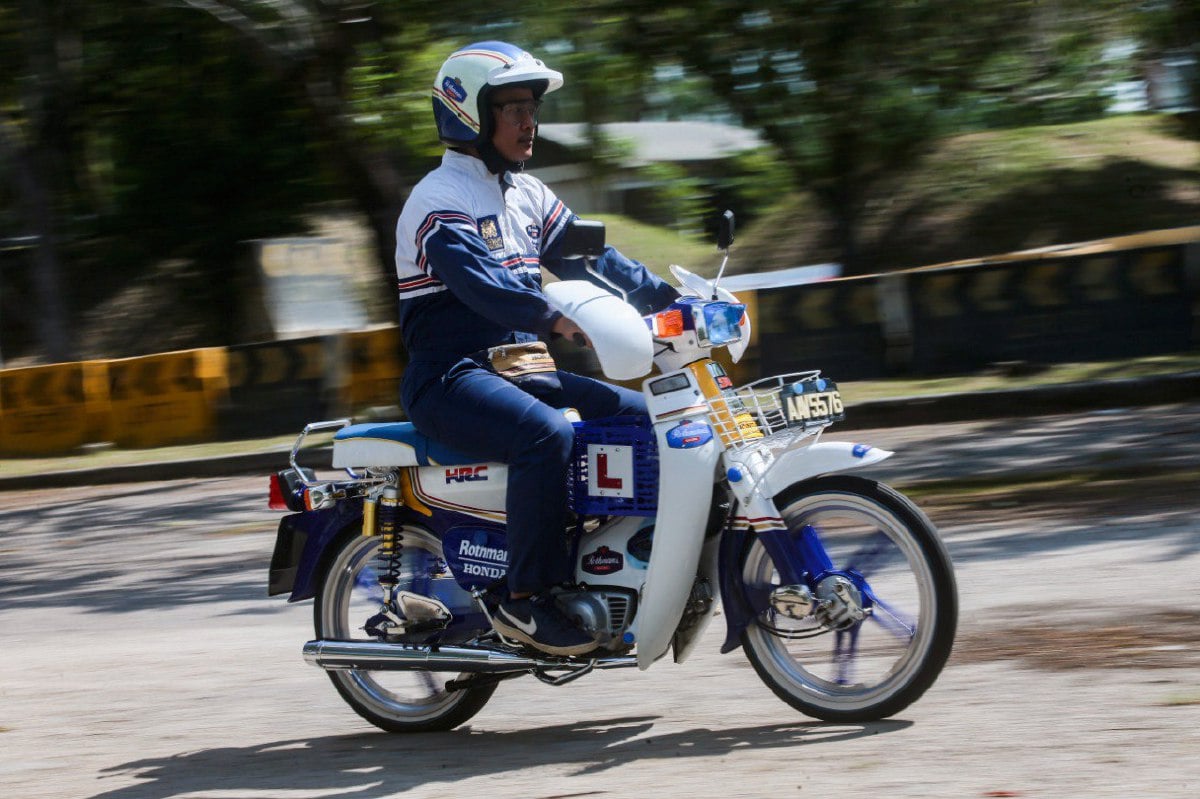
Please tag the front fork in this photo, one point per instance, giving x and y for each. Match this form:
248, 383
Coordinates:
808, 584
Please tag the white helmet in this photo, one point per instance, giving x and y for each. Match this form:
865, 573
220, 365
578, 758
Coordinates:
460, 92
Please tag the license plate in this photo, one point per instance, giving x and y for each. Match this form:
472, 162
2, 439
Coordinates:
811, 402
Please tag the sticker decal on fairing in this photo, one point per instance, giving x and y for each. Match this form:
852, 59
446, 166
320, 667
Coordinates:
476, 555
688, 435
466, 474
603, 561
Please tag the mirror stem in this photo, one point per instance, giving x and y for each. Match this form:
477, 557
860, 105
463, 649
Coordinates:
720, 272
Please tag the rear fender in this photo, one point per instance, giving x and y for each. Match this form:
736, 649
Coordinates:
301, 544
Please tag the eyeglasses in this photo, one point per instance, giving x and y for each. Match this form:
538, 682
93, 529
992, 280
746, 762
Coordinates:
517, 111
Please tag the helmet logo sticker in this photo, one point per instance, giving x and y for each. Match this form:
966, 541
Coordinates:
489, 230
454, 88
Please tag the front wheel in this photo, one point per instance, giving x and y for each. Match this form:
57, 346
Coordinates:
404, 701
897, 577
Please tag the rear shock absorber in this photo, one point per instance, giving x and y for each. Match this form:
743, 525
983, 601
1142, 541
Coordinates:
387, 519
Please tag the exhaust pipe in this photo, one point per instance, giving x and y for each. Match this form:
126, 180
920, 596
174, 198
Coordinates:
376, 656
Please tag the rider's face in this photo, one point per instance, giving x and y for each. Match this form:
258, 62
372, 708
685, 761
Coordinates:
514, 117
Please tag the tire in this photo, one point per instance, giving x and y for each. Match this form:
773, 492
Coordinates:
890, 658
396, 701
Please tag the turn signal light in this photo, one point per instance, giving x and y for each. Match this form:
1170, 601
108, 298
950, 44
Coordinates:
668, 323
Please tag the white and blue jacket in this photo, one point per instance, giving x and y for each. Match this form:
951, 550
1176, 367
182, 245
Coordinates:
469, 247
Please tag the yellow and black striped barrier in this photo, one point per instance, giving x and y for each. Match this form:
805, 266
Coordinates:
376, 362
1123, 297
279, 386
1080, 307
834, 325
167, 398
52, 409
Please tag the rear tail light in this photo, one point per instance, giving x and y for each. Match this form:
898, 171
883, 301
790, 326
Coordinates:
275, 497
287, 490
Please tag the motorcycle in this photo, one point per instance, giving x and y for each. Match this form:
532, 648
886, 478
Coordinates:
837, 588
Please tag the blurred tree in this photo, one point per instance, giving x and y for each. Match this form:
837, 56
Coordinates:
40, 143
850, 92
1171, 28
131, 134
357, 67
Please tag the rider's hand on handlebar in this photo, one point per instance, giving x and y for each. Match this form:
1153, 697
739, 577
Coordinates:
567, 329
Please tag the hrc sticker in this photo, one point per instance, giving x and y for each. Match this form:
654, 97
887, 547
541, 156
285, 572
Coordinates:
465, 474
489, 230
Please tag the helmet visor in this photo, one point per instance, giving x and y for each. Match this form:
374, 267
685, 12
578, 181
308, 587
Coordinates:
524, 70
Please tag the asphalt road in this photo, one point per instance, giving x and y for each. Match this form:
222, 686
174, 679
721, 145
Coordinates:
141, 659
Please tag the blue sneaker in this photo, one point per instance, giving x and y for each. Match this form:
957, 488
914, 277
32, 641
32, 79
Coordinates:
538, 622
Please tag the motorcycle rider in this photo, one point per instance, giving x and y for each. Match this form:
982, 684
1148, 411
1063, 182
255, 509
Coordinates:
470, 243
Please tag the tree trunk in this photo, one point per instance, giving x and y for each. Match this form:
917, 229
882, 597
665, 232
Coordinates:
36, 200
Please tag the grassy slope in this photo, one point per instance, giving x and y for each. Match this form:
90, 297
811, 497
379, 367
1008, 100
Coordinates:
998, 191
656, 247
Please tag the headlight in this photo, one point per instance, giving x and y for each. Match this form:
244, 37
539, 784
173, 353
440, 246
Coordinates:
717, 323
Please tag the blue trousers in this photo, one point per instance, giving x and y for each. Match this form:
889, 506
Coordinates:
483, 415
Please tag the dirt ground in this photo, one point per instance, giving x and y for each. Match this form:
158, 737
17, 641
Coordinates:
141, 659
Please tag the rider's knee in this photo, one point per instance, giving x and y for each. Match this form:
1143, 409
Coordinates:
553, 437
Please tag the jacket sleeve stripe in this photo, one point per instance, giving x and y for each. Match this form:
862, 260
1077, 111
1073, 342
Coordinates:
431, 224
554, 223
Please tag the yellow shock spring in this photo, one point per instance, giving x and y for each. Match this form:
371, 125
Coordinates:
388, 529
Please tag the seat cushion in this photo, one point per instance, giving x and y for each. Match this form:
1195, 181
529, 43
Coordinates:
391, 444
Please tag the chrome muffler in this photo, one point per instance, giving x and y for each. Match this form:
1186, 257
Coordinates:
377, 656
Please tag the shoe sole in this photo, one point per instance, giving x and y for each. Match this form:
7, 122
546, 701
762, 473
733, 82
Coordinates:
517, 634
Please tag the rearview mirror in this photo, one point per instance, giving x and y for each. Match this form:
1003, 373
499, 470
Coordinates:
583, 238
725, 231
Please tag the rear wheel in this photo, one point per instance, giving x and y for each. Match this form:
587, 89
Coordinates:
888, 561
396, 701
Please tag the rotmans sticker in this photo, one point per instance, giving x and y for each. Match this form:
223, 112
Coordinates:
603, 561
454, 88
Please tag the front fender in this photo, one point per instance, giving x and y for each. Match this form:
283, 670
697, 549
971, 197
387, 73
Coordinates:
823, 457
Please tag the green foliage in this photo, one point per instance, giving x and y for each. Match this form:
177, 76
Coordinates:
179, 128
389, 97
849, 93
672, 198
1000, 191
199, 139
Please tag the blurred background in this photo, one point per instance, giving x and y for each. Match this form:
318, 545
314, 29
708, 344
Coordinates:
165, 165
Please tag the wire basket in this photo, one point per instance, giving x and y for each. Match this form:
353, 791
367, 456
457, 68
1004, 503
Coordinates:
775, 411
